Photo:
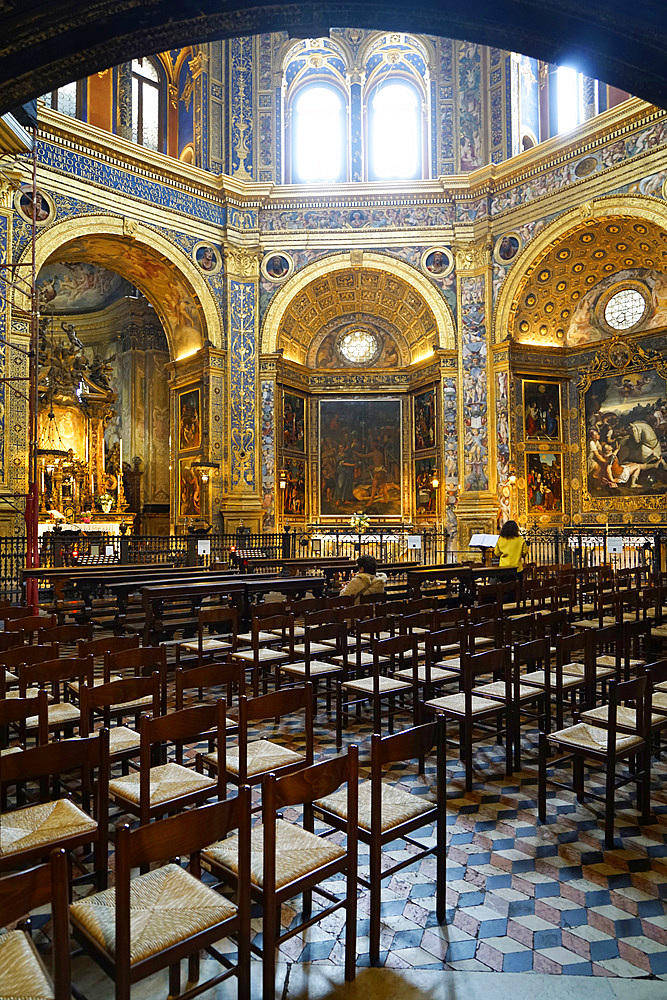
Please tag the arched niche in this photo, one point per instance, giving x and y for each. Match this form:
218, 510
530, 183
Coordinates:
334, 287
161, 271
572, 262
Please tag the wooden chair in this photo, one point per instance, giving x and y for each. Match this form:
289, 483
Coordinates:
219, 680
10, 660
472, 712
169, 786
266, 633
33, 831
390, 654
107, 644
295, 861
252, 760
560, 678
139, 661
22, 972
388, 813
57, 675
324, 653
15, 713
26, 629
217, 629
101, 700
65, 635
152, 922
623, 737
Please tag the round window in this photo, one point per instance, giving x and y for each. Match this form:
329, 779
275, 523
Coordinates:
359, 347
625, 309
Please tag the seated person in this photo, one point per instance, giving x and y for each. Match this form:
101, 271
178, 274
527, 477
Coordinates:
511, 547
366, 581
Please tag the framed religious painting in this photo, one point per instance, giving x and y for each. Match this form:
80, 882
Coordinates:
424, 413
189, 419
189, 489
623, 428
425, 491
294, 421
544, 482
360, 466
294, 499
541, 411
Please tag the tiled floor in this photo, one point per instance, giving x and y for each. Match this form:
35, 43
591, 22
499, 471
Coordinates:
522, 897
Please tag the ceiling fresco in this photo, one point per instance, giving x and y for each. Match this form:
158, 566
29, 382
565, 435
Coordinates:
153, 275
557, 303
354, 292
79, 287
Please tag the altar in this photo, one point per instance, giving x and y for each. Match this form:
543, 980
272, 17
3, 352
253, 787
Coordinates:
86, 527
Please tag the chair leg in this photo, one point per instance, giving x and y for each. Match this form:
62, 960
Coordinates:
270, 927
466, 753
375, 876
578, 777
609, 804
510, 737
645, 791
193, 967
542, 779
339, 717
174, 980
351, 922
441, 871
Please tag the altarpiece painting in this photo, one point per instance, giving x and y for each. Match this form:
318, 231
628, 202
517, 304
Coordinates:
360, 457
541, 411
624, 429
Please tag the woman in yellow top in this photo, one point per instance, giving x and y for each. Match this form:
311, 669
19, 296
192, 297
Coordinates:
511, 547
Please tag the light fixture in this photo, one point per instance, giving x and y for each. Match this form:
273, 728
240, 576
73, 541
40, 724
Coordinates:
282, 479
435, 482
511, 479
205, 469
50, 444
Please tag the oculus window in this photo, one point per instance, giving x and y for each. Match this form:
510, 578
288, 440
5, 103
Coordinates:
394, 132
359, 347
625, 309
318, 119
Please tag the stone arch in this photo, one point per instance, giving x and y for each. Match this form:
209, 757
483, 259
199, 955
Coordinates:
407, 278
590, 217
162, 271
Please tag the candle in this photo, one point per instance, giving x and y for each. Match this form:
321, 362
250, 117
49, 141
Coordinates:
120, 466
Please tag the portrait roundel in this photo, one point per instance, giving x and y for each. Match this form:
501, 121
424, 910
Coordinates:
277, 266
207, 258
437, 261
43, 205
506, 248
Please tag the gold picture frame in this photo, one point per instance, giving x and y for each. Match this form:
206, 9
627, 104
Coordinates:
542, 411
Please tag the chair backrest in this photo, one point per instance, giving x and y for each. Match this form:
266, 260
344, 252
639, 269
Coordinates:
325, 616
213, 616
68, 634
372, 627
107, 644
16, 711
276, 705
305, 786
394, 649
8, 614
322, 633
491, 661
29, 626
444, 617
523, 627
657, 669
28, 654
210, 675
302, 605
53, 672
22, 892
637, 692
141, 661
103, 697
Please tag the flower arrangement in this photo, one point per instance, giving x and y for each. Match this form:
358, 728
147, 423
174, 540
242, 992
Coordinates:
360, 522
105, 501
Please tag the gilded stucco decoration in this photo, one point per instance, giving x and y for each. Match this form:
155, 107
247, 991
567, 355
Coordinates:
172, 283
390, 290
556, 303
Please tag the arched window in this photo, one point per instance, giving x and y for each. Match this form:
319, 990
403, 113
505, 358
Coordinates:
394, 132
146, 104
65, 99
318, 135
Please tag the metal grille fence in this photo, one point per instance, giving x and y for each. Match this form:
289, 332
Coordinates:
622, 548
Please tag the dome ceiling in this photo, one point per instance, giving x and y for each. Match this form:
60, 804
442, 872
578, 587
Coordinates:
350, 293
556, 305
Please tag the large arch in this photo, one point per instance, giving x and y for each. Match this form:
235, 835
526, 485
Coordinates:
165, 275
47, 44
408, 281
635, 207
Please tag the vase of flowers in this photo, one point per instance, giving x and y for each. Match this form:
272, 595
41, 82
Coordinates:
105, 502
360, 522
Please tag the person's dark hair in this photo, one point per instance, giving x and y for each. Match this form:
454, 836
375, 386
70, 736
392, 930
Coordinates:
510, 529
367, 564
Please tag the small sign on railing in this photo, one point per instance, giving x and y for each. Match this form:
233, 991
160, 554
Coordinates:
203, 546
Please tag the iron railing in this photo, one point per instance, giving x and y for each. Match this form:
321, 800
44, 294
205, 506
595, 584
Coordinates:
621, 547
